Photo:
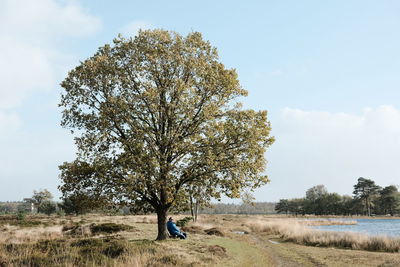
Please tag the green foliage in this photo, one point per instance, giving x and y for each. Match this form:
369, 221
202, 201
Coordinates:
47, 207
297, 206
368, 197
389, 200
6, 208
315, 199
81, 203
283, 206
39, 197
24, 207
366, 190
157, 114
184, 221
61, 213
21, 215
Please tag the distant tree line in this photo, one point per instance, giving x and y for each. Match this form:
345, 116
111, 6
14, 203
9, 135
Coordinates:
244, 208
42, 201
368, 199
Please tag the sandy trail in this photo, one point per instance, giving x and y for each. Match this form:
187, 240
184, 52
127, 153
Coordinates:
281, 256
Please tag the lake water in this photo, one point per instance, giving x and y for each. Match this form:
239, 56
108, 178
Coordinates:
389, 227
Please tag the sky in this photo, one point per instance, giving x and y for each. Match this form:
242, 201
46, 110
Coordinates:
326, 71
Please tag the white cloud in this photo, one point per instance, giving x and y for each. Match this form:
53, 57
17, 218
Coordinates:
333, 149
30, 32
34, 36
132, 28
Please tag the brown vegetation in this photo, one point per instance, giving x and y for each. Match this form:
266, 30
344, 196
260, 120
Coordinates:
233, 240
99, 241
326, 222
300, 234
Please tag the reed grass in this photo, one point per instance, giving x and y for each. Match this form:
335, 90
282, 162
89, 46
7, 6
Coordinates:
327, 222
300, 234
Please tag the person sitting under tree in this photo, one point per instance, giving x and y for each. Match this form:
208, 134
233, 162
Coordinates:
174, 230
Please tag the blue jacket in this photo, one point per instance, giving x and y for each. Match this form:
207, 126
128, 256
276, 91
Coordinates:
172, 229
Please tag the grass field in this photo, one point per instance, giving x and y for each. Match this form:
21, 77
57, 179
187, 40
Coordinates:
215, 240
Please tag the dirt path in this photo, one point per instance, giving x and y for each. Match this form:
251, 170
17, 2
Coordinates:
281, 255
284, 254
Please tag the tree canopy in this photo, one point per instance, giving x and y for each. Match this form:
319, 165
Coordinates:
366, 190
39, 197
42, 201
156, 113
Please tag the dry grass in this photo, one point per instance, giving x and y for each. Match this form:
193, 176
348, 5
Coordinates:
48, 245
326, 222
298, 233
94, 240
16, 235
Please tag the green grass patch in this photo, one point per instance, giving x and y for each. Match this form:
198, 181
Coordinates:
240, 253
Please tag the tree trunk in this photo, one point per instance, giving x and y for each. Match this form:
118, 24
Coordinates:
196, 211
191, 208
162, 224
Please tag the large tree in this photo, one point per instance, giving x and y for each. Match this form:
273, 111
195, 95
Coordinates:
283, 206
39, 198
366, 190
156, 113
389, 199
314, 201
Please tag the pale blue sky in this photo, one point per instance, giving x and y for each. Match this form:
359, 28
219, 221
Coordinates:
327, 72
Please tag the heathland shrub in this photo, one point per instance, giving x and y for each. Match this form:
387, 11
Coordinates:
194, 229
76, 229
97, 247
184, 221
214, 231
21, 215
115, 250
83, 252
109, 228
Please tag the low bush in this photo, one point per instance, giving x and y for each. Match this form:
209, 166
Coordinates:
214, 231
75, 229
184, 221
109, 228
115, 249
87, 242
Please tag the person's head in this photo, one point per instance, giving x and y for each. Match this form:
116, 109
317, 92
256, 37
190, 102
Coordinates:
170, 219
